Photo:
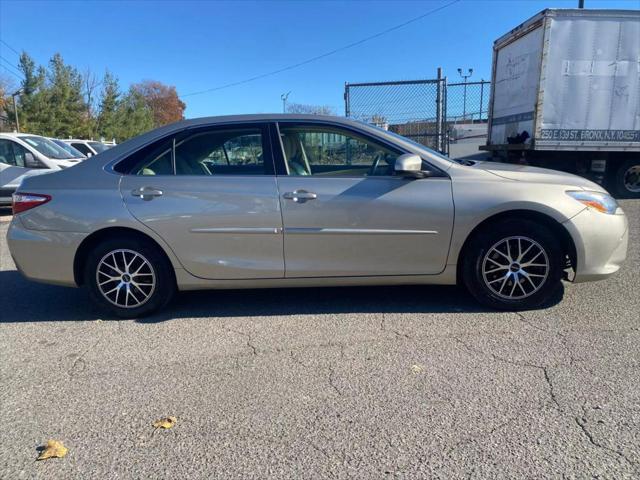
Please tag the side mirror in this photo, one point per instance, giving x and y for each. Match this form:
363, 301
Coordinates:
409, 165
30, 161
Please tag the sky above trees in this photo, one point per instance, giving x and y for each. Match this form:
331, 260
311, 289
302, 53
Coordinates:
199, 45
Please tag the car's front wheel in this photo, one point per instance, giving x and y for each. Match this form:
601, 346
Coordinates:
129, 277
515, 265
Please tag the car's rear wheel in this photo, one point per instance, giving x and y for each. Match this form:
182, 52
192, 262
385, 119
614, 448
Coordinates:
129, 277
515, 265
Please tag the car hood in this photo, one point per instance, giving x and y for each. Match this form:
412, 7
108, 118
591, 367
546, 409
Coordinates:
524, 173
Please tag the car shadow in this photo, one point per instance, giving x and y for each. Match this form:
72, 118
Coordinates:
22, 300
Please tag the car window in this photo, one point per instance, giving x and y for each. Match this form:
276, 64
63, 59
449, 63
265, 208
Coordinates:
82, 148
98, 147
46, 147
220, 152
11, 153
329, 151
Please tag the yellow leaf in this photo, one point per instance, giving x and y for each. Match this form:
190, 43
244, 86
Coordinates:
417, 368
54, 449
165, 422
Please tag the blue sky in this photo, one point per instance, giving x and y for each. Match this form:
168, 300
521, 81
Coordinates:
196, 45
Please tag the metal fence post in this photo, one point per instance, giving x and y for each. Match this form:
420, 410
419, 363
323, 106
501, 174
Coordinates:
481, 97
346, 100
439, 110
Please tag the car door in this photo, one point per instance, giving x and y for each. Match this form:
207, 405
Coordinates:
211, 194
346, 214
12, 166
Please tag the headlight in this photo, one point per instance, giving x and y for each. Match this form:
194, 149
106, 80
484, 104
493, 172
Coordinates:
601, 202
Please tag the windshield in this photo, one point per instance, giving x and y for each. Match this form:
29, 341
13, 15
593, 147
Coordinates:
47, 148
73, 151
98, 147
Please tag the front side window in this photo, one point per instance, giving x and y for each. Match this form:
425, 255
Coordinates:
329, 151
11, 153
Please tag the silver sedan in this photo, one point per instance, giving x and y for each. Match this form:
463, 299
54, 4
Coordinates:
291, 201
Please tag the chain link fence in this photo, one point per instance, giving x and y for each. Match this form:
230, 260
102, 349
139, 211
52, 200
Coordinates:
413, 108
425, 111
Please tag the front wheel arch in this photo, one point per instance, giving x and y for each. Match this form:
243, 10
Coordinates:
101, 235
567, 243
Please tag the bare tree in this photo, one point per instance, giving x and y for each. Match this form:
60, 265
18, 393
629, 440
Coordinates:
310, 109
90, 84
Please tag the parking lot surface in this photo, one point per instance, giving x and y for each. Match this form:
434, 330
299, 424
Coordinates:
407, 382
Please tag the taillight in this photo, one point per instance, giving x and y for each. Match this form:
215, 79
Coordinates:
25, 201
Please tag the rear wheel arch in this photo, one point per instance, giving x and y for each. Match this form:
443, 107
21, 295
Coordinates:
104, 234
567, 243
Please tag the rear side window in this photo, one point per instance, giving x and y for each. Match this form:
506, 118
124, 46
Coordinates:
204, 152
11, 153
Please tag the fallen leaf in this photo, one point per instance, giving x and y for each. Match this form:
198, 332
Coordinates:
165, 422
417, 368
54, 449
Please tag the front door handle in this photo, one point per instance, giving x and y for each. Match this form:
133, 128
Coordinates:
300, 196
146, 193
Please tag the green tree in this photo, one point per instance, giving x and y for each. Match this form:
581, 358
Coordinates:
108, 108
68, 113
34, 101
133, 116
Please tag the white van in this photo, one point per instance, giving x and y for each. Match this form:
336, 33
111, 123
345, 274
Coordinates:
24, 154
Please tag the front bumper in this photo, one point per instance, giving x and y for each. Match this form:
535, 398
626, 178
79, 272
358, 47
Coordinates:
601, 242
44, 256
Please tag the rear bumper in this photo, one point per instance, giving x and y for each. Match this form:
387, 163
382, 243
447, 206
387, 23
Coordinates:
44, 256
601, 244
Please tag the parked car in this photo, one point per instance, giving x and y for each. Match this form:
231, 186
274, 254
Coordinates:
24, 154
71, 150
87, 147
164, 212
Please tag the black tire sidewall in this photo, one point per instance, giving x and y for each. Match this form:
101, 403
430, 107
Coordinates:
165, 277
620, 189
483, 241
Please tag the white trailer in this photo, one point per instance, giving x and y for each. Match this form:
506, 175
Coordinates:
566, 94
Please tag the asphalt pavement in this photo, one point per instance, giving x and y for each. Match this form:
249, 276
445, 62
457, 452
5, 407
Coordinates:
385, 382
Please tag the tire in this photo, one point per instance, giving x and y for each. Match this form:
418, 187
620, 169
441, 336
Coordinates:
149, 277
491, 282
626, 180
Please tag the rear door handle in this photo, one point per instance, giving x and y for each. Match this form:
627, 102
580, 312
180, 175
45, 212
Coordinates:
300, 196
146, 193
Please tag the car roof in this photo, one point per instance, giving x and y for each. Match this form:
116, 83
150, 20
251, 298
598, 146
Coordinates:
19, 134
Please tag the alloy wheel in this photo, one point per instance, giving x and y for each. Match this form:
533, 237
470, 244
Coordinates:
125, 278
515, 268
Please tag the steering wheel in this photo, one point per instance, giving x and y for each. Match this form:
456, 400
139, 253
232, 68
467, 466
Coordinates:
374, 166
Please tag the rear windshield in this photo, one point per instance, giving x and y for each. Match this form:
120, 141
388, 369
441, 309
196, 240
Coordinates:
48, 148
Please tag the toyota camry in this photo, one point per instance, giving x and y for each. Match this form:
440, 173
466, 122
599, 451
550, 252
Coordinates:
257, 201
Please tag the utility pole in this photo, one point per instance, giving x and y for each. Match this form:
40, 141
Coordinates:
284, 98
464, 105
15, 108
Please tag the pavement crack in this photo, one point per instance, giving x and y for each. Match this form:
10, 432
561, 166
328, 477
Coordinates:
249, 341
79, 360
552, 393
582, 424
497, 358
332, 374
